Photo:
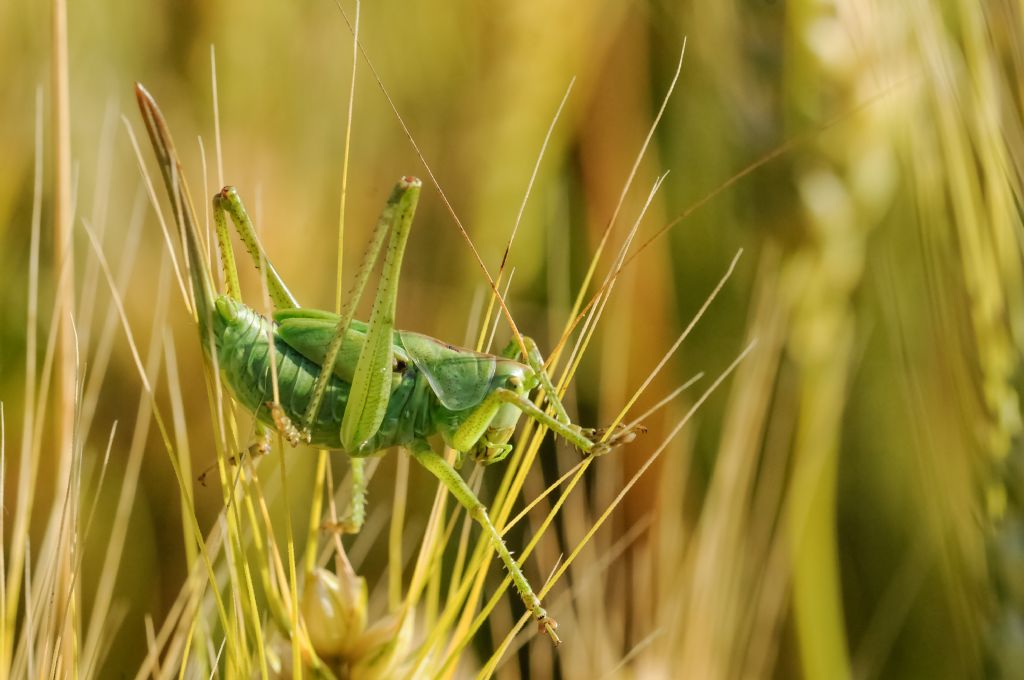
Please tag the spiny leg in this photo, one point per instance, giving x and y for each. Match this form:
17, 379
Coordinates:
357, 503
585, 439
344, 321
371, 382
259, 447
228, 201
227, 254
535, 361
440, 468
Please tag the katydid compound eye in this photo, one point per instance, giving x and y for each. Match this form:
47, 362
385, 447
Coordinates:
515, 382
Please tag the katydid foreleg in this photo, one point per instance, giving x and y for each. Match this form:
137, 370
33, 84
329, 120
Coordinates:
535, 361
585, 439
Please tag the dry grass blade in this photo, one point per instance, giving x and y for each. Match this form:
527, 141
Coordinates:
159, 213
182, 482
868, 155
27, 472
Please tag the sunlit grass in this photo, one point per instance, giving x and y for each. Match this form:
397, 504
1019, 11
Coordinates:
847, 503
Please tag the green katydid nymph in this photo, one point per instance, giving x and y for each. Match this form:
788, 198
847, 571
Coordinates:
363, 388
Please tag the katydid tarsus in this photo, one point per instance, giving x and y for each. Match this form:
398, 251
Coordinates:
357, 387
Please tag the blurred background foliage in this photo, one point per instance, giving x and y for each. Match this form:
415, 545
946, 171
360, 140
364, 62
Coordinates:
848, 504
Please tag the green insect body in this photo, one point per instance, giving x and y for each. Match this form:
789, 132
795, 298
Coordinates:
434, 386
363, 388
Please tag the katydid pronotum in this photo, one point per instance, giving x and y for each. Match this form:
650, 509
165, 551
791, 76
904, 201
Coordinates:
362, 388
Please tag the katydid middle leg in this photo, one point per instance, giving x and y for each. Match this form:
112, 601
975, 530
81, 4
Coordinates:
448, 476
584, 439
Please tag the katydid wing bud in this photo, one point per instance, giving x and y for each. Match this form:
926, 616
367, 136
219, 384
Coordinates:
334, 609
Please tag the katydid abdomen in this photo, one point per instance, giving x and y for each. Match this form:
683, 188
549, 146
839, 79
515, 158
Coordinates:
243, 353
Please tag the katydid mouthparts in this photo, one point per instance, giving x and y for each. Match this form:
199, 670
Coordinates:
361, 388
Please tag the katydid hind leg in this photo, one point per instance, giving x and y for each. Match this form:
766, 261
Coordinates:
353, 524
384, 225
228, 201
345, 319
447, 475
371, 381
227, 254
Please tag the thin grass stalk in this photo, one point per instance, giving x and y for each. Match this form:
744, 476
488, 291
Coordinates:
27, 470
89, 661
343, 193
164, 434
567, 330
112, 558
58, 559
103, 347
63, 249
23, 644
66, 371
100, 210
706, 635
315, 513
480, 345
395, 532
